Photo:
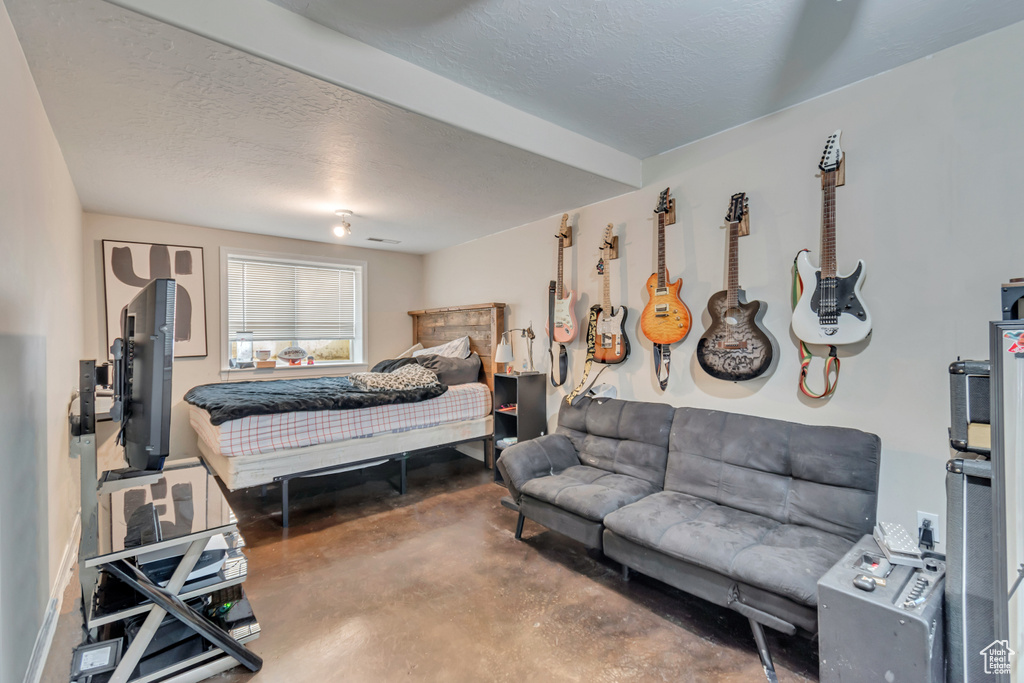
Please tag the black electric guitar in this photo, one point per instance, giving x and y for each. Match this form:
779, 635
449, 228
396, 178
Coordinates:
612, 344
736, 345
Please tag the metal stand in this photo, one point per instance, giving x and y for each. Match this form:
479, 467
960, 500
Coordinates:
762, 650
163, 601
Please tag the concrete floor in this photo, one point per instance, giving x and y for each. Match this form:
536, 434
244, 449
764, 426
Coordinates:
368, 585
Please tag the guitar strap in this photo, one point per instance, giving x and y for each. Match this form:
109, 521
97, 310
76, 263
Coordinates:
662, 356
584, 386
832, 363
563, 357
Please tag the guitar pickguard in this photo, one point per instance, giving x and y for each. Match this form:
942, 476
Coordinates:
845, 297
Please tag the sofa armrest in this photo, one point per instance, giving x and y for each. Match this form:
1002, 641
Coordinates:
540, 457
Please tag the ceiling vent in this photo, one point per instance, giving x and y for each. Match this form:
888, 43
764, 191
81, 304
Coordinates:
382, 240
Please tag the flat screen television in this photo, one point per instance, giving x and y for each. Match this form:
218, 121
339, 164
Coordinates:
143, 363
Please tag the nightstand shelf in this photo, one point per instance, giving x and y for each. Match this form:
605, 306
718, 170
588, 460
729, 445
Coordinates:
527, 420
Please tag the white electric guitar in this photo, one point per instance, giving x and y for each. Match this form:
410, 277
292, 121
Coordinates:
566, 325
830, 310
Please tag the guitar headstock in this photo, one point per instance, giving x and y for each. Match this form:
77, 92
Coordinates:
833, 153
738, 206
663, 202
606, 243
565, 232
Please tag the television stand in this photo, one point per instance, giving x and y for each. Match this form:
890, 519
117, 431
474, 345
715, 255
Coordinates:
184, 624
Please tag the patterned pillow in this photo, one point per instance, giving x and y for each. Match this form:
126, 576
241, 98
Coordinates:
406, 377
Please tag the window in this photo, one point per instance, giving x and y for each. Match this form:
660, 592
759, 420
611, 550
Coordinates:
292, 301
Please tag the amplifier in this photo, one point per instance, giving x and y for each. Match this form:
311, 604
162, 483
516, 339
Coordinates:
879, 621
970, 403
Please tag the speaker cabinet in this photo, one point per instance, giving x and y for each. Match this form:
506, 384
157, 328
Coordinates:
970, 619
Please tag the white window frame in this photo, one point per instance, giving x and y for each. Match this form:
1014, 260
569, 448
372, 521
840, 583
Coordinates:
340, 367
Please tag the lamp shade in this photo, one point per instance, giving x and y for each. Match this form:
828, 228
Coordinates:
504, 353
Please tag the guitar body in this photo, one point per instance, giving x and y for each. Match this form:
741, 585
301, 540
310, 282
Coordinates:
612, 344
851, 324
665, 319
566, 324
736, 346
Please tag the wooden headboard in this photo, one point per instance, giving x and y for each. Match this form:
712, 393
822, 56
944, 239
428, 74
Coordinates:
484, 324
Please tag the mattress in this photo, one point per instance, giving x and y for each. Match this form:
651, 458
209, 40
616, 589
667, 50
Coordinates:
258, 434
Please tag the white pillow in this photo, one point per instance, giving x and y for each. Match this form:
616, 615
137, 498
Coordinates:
457, 348
409, 351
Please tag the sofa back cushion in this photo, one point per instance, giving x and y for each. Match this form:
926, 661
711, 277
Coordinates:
821, 477
625, 437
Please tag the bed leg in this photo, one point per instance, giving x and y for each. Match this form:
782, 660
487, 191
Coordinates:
263, 491
284, 503
403, 481
489, 452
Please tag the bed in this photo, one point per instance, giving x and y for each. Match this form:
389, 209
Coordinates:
263, 449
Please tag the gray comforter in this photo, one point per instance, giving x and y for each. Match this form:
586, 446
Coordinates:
233, 400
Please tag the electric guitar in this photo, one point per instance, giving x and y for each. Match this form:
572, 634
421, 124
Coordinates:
665, 319
566, 326
830, 311
736, 346
612, 343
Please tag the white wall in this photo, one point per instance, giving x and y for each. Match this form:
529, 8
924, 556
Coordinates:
40, 345
394, 288
932, 177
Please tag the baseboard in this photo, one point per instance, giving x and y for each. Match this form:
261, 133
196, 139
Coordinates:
41, 649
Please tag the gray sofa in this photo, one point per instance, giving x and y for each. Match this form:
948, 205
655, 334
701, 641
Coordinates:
743, 511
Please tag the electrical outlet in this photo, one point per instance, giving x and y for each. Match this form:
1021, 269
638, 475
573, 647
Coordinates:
931, 517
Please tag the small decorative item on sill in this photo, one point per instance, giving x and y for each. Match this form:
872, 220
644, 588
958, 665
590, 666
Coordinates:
309, 360
243, 351
293, 354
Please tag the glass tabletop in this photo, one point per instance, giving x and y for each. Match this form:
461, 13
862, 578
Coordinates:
184, 501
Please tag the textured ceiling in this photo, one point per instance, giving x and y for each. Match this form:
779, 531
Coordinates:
157, 122
645, 76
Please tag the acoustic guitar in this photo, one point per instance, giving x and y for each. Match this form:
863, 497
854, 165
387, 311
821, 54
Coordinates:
566, 325
736, 346
665, 319
612, 343
831, 311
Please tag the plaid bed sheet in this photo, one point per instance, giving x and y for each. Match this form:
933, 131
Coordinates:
267, 433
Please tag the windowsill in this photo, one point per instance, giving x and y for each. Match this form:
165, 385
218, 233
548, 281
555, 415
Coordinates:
285, 371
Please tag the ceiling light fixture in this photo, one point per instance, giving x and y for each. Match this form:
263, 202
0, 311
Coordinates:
345, 228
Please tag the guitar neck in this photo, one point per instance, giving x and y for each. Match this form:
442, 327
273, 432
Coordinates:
607, 302
734, 265
560, 292
828, 224
661, 250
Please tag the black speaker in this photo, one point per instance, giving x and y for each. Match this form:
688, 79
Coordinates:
970, 406
970, 618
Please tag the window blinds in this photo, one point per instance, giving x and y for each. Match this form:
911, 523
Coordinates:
287, 302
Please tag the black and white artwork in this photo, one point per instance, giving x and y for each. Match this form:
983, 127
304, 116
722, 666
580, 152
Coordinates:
130, 266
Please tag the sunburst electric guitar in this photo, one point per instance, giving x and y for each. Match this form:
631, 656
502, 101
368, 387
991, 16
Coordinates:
566, 324
736, 346
831, 310
612, 344
665, 319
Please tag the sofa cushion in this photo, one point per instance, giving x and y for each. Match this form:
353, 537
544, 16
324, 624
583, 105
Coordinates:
822, 477
588, 492
626, 437
691, 529
786, 559
790, 560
